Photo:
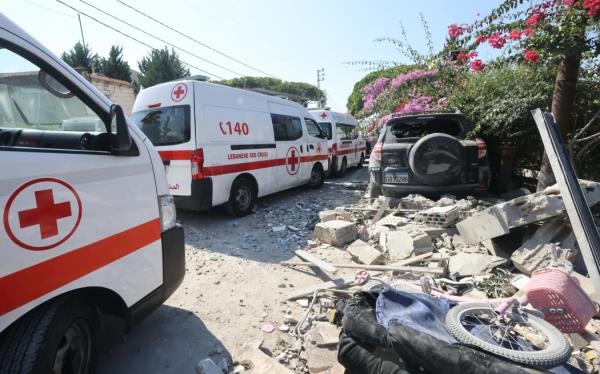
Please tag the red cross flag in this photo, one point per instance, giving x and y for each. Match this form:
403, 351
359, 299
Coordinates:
42, 214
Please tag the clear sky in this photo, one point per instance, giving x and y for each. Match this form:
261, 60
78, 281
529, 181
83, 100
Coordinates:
288, 39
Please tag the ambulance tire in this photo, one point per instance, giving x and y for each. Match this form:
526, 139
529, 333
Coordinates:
57, 337
242, 197
362, 161
343, 168
317, 176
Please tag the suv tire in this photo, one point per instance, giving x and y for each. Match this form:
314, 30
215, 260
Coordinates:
443, 149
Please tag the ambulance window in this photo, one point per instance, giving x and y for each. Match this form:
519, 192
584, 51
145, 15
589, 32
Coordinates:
286, 128
165, 126
326, 127
312, 128
37, 111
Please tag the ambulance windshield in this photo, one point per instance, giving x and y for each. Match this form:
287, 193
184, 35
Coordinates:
326, 127
165, 126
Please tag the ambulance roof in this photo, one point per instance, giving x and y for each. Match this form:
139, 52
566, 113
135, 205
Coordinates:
322, 115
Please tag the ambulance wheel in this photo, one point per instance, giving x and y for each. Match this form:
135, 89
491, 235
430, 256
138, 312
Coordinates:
317, 176
362, 161
343, 167
59, 337
242, 197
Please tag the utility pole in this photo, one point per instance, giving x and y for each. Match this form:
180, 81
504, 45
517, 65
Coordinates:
320, 77
83, 41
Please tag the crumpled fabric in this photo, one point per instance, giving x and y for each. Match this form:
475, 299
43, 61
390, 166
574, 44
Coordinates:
419, 311
366, 347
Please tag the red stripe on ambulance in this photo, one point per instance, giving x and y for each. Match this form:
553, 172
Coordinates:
28, 284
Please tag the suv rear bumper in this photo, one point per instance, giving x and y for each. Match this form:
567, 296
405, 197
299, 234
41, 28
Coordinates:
201, 197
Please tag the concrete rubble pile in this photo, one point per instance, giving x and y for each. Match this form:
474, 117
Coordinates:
478, 248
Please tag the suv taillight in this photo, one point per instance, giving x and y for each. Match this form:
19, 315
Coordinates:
481, 148
376, 152
197, 164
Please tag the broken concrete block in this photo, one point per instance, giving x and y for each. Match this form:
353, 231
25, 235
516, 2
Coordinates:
364, 253
467, 264
336, 232
442, 216
500, 218
330, 215
320, 357
403, 244
536, 252
392, 220
329, 333
416, 202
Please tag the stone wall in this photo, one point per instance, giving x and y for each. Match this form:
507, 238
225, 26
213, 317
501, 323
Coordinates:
118, 91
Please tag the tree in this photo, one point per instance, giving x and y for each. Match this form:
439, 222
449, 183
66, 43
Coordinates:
561, 33
81, 57
161, 65
114, 66
304, 92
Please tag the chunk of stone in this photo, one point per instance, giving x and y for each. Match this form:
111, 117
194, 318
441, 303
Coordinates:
416, 202
536, 252
403, 244
320, 357
330, 215
364, 253
467, 264
207, 366
336, 232
443, 216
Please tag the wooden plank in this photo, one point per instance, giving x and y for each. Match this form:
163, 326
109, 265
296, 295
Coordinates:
391, 267
340, 282
323, 265
408, 261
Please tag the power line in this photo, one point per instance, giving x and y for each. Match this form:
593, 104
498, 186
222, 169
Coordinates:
134, 39
195, 40
48, 9
159, 39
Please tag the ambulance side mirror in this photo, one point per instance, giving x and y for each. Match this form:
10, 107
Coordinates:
120, 141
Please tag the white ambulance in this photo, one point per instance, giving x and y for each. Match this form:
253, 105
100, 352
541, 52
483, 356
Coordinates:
88, 224
346, 146
223, 145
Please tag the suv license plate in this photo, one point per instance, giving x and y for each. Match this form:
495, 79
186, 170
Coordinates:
395, 178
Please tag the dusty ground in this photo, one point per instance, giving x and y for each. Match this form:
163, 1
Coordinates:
233, 285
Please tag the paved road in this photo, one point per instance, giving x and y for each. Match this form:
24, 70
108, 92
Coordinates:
233, 284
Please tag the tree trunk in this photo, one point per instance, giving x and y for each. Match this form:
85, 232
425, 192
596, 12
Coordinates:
563, 100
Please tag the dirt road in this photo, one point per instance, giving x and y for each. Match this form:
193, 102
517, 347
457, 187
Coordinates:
233, 285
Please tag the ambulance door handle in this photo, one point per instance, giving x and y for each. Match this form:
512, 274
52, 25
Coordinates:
301, 149
311, 146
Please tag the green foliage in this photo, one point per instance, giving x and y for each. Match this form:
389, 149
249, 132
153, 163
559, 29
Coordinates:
355, 103
161, 65
306, 91
81, 57
114, 66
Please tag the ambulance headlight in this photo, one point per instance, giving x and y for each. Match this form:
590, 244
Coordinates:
168, 216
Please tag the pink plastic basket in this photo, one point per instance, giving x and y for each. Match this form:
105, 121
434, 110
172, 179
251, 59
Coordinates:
559, 296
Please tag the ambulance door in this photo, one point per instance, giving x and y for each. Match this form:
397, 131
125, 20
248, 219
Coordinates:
314, 149
74, 214
289, 137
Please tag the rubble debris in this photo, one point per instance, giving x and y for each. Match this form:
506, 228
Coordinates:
364, 253
325, 266
259, 361
416, 202
392, 220
467, 264
499, 219
402, 244
339, 282
320, 356
336, 232
442, 216
330, 215
329, 333
268, 328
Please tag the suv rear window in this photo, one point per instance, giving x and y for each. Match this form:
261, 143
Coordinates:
418, 127
165, 126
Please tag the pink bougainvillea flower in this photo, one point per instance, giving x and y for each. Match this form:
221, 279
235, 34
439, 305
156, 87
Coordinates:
497, 40
532, 56
528, 31
480, 39
455, 30
592, 7
462, 57
477, 65
401, 79
514, 35
472, 54
570, 2
443, 101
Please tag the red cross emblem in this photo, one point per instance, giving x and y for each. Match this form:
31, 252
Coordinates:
292, 161
42, 213
319, 148
178, 92
323, 115
362, 277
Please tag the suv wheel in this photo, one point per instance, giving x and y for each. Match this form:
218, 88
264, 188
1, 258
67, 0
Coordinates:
242, 197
